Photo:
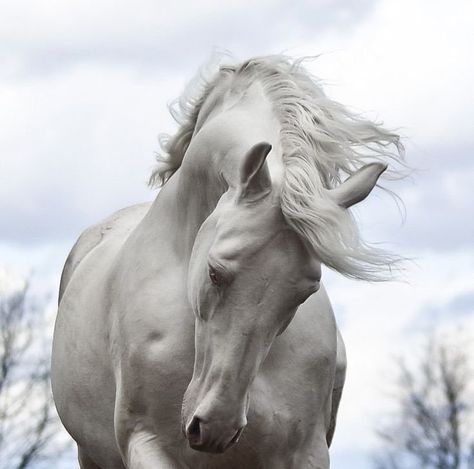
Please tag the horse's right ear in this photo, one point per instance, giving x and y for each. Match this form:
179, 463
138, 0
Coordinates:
255, 180
357, 187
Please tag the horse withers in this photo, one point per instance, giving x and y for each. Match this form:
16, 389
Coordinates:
194, 332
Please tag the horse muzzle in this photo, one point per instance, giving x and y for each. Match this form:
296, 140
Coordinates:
212, 437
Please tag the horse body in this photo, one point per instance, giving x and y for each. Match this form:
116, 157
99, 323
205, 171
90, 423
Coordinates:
140, 324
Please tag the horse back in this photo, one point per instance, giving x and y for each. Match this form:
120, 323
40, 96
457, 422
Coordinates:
118, 224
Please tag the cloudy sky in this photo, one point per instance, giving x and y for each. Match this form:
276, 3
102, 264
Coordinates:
84, 89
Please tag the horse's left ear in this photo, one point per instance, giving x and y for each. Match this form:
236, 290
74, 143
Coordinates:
358, 186
255, 178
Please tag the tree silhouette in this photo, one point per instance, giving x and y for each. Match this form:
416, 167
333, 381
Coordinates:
431, 427
28, 423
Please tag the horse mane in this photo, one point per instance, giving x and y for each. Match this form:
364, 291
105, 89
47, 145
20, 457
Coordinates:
322, 143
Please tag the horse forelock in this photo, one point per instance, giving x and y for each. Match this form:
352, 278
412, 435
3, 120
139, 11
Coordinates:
321, 141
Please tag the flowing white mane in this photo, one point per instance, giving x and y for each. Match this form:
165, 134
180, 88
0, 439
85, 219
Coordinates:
322, 143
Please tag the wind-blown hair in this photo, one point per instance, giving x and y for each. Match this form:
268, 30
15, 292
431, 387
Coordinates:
322, 143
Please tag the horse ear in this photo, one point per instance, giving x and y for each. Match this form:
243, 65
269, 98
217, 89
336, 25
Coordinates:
358, 186
254, 175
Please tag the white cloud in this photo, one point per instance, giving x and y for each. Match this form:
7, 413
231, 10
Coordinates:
411, 63
10, 282
77, 146
42, 38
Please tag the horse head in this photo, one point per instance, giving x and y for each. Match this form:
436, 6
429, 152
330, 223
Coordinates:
248, 273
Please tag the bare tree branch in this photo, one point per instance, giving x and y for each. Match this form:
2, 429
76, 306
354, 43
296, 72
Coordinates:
28, 422
433, 406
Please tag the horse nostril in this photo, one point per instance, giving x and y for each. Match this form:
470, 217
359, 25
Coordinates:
194, 429
236, 437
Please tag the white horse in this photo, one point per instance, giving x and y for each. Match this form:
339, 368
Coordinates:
213, 291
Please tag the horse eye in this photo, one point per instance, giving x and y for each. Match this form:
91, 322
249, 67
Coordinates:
214, 276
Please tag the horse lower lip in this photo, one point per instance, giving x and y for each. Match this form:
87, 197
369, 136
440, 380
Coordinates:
214, 449
198, 445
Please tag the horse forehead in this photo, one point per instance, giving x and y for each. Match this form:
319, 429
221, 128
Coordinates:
253, 229
257, 220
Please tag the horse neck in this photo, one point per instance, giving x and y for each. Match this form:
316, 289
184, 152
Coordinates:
192, 193
179, 210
